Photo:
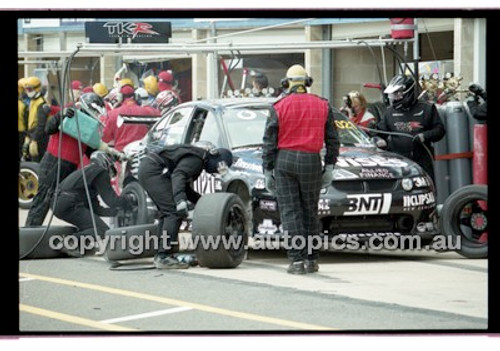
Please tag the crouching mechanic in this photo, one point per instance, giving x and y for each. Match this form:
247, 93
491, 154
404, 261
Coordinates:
167, 174
72, 203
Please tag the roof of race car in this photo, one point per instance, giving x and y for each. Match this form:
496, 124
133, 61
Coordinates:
232, 102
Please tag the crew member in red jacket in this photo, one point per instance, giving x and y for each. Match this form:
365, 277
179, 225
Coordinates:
119, 133
299, 125
89, 103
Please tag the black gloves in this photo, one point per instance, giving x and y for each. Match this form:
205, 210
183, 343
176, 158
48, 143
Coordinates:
127, 202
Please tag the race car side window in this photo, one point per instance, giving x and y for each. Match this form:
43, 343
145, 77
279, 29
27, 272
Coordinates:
211, 131
172, 127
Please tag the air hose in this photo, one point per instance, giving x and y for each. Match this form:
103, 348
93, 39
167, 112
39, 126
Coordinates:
378, 131
63, 84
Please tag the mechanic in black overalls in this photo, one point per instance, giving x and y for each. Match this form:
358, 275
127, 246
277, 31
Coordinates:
299, 126
167, 174
72, 203
418, 120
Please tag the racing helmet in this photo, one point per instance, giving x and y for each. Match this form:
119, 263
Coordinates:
105, 161
401, 91
165, 100
114, 97
32, 86
100, 89
217, 159
126, 81
92, 104
142, 97
296, 75
151, 85
165, 80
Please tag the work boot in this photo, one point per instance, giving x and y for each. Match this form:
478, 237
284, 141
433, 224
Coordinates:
311, 266
166, 261
190, 259
296, 267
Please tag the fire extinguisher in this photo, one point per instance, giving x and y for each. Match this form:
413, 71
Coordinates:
402, 28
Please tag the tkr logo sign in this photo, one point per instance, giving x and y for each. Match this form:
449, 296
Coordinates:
133, 29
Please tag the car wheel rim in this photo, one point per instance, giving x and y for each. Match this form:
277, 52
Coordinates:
473, 221
235, 230
28, 185
129, 217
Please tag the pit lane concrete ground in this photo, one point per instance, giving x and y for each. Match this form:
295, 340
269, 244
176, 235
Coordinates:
353, 291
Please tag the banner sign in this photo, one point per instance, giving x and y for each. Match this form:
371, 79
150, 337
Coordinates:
135, 32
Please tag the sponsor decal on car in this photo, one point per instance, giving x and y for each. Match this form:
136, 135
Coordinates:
419, 200
376, 173
373, 161
420, 182
267, 227
240, 163
324, 207
425, 227
368, 204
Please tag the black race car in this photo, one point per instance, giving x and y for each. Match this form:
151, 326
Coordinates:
374, 192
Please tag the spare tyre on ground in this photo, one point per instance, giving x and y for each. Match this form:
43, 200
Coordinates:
220, 230
40, 242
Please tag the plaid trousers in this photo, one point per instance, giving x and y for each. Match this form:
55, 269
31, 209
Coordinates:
298, 185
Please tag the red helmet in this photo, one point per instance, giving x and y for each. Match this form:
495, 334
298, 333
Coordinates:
166, 77
76, 85
165, 80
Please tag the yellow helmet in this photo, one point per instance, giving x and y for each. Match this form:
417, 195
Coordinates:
126, 81
33, 87
151, 85
100, 89
20, 85
33, 83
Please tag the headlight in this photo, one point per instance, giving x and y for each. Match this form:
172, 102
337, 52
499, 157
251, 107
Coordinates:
407, 184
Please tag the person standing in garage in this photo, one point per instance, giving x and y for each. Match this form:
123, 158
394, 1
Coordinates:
167, 173
299, 126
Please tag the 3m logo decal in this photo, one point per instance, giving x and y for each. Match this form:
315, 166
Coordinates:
368, 204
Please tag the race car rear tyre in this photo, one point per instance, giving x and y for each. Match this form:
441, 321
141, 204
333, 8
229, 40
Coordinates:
465, 217
28, 183
220, 230
137, 241
35, 242
139, 213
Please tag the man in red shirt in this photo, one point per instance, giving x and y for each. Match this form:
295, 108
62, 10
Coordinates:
299, 125
119, 133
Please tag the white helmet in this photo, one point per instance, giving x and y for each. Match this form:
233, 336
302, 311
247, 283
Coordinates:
142, 97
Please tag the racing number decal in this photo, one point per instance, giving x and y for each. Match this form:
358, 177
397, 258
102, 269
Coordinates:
205, 183
368, 204
344, 124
